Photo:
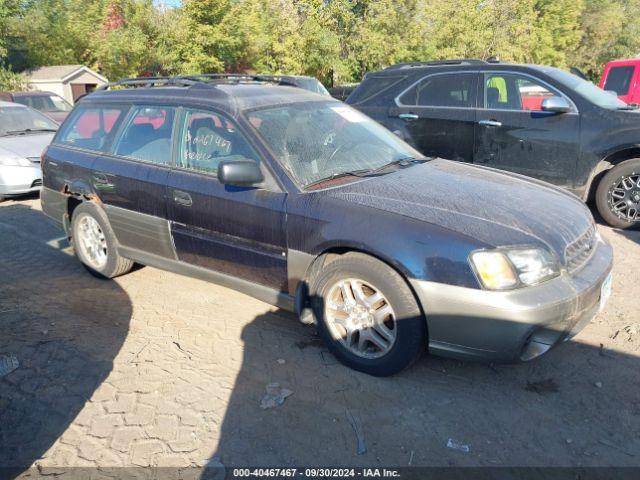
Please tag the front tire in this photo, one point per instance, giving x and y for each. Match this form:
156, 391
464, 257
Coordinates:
618, 195
94, 243
367, 315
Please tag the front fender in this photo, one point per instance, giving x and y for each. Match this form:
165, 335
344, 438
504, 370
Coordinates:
416, 249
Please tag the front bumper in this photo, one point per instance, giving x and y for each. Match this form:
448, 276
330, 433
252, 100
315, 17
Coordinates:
18, 180
515, 325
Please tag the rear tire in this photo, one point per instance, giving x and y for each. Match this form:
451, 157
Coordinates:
95, 244
377, 326
618, 195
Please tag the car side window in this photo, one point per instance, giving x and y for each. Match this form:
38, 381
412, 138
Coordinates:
619, 79
515, 92
91, 127
147, 135
454, 90
207, 138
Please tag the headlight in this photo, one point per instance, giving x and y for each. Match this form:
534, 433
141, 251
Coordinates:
510, 268
10, 160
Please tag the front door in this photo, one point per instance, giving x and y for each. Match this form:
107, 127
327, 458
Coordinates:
239, 231
513, 133
439, 112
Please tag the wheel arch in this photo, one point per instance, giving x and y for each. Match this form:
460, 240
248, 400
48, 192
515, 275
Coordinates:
607, 163
326, 256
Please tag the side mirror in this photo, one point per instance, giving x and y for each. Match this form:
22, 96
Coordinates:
239, 172
556, 104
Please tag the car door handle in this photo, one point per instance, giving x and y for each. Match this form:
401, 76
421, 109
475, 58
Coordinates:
182, 198
101, 179
408, 116
490, 123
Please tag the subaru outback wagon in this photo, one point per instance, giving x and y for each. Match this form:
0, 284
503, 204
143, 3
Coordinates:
303, 202
533, 120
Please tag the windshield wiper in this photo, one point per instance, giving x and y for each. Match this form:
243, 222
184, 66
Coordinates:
401, 162
29, 130
353, 173
631, 106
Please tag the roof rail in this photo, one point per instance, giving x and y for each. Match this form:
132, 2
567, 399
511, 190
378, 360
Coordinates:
193, 79
230, 77
176, 81
435, 63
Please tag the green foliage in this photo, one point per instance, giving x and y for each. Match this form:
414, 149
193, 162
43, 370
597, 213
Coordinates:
334, 40
11, 81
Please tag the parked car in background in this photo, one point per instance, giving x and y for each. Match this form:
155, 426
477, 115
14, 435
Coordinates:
301, 201
24, 134
308, 83
533, 120
52, 105
622, 77
341, 92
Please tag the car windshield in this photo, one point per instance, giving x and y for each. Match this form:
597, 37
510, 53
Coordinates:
44, 103
312, 84
588, 90
22, 120
321, 140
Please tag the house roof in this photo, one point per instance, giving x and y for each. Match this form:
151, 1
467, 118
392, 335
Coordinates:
60, 73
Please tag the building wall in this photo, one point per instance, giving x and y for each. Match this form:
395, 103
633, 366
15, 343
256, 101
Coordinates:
55, 87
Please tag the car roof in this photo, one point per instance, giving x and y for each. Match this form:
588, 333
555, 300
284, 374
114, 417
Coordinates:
34, 93
11, 105
229, 97
420, 68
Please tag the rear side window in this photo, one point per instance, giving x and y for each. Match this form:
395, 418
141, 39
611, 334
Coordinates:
91, 127
455, 90
373, 85
147, 135
619, 80
207, 138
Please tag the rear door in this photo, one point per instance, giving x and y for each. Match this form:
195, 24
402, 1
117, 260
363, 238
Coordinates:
239, 231
87, 134
131, 178
514, 134
439, 111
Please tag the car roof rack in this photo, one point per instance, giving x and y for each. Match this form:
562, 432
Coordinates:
435, 63
175, 81
195, 79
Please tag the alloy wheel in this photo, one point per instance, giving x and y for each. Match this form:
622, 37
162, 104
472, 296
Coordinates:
92, 242
624, 198
361, 318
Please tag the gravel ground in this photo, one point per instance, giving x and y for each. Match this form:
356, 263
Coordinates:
163, 370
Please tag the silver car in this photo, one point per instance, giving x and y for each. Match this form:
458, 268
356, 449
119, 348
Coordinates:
24, 134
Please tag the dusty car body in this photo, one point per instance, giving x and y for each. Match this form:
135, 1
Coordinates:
24, 134
301, 201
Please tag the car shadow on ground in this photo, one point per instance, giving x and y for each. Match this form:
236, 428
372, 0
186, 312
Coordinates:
64, 328
578, 405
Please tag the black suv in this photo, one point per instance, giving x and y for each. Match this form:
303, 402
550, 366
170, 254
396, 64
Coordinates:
301, 201
534, 120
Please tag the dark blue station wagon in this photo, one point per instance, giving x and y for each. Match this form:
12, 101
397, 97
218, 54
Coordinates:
306, 203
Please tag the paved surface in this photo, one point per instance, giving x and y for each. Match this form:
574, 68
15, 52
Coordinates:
158, 369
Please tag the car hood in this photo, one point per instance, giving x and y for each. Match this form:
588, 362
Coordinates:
58, 117
495, 208
30, 145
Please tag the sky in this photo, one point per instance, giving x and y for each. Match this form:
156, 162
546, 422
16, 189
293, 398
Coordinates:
168, 3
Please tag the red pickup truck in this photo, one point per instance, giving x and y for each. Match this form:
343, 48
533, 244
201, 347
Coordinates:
623, 78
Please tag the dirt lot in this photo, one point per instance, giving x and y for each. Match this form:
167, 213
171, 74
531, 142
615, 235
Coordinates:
159, 369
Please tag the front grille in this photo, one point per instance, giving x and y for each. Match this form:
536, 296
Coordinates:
37, 183
34, 159
580, 250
